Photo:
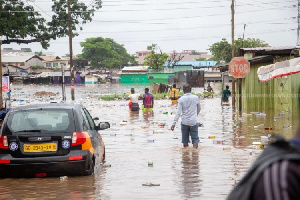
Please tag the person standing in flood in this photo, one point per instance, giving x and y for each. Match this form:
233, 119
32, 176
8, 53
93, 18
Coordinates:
148, 101
174, 94
225, 94
134, 100
188, 109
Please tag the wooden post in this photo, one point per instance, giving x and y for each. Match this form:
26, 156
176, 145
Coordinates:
232, 51
71, 51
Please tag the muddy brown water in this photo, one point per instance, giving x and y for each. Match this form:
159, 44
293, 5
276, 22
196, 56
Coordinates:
207, 173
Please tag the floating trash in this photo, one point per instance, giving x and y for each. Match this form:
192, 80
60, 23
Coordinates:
235, 122
255, 127
161, 125
123, 123
258, 145
276, 118
175, 138
113, 134
128, 134
212, 137
261, 115
158, 131
150, 184
145, 127
254, 113
227, 148
63, 178
218, 142
150, 164
106, 165
165, 113
268, 128
281, 114
265, 138
150, 140
286, 126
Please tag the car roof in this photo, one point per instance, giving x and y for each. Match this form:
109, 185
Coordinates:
48, 106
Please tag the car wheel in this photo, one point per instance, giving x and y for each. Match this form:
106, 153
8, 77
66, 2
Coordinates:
90, 170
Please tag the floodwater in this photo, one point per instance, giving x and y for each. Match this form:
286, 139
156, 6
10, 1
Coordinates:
209, 172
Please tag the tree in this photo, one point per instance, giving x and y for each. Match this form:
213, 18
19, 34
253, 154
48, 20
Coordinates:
201, 59
40, 53
221, 51
174, 58
105, 52
157, 58
19, 22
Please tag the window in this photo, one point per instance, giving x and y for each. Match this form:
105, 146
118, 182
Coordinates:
45, 120
48, 64
55, 64
90, 119
86, 125
140, 54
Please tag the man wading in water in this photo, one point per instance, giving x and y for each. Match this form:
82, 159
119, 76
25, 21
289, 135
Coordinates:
189, 109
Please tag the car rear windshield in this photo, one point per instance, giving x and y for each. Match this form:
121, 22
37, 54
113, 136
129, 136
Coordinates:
41, 121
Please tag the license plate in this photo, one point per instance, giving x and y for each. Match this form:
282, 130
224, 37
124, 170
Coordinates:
40, 147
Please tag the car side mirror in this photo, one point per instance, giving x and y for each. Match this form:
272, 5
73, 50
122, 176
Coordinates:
103, 126
96, 118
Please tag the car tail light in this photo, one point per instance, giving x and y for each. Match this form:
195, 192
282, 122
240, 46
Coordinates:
75, 158
3, 142
40, 175
78, 138
4, 161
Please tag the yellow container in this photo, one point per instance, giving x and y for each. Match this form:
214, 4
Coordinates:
212, 137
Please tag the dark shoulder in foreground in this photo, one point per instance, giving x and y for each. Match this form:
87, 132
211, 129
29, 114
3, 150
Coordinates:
48, 106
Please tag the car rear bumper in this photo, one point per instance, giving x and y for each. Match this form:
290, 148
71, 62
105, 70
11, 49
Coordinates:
75, 163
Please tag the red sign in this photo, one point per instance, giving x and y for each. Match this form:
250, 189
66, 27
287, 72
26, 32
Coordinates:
239, 67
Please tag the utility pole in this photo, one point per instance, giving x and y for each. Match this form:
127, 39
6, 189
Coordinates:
71, 50
298, 30
232, 51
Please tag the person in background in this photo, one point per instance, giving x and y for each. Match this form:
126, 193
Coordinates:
209, 88
275, 175
148, 101
188, 109
225, 94
130, 103
134, 100
174, 94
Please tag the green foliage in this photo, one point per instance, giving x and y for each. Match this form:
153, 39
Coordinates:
201, 59
20, 21
157, 58
37, 67
39, 53
105, 52
221, 51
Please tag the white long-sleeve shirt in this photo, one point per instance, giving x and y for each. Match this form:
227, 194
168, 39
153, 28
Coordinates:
188, 109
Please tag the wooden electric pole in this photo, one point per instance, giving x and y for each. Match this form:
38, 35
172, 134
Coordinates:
232, 51
71, 50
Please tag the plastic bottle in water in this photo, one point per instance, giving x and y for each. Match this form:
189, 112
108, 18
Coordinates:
63, 178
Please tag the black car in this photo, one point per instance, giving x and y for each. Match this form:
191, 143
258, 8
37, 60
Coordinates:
50, 140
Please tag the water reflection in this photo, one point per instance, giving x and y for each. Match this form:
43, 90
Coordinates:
190, 183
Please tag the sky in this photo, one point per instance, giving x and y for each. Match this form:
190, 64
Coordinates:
178, 24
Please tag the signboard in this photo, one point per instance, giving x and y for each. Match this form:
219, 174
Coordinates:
239, 67
5, 83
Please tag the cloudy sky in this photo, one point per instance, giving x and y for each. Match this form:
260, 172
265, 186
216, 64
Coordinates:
180, 24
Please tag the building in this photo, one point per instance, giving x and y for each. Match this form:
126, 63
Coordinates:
280, 93
140, 56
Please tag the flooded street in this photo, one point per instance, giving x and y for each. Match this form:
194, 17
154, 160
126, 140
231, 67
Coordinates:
140, 151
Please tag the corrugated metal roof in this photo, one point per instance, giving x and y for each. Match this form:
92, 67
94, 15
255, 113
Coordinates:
15, 59
47, 74
269, 48
195, 63
135, 69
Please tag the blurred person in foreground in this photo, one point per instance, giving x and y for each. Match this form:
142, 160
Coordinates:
174, 94
275, 175
188, 109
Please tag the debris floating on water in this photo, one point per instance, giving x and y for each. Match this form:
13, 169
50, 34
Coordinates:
212, 137
63, 178
150, 184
